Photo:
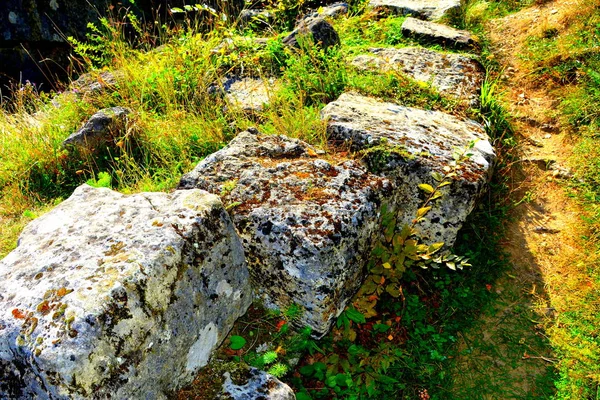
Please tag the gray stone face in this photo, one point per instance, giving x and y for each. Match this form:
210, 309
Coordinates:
332, 10
425, 9
452, 74
260, 386
307, 223
321, 31
430, 32
114, 296
255, 17
94, 84
100, 129
249, 94
425, 142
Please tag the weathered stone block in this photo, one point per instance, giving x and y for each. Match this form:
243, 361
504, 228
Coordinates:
249, 94
430, 32
114, 296
307, 223
414, 144
100, 129
425, 9
456, 75
322, 33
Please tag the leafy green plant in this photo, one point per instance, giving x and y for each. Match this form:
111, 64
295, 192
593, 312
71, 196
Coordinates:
104, 180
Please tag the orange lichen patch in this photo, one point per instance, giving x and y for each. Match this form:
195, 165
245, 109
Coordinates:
18, 314
303, 174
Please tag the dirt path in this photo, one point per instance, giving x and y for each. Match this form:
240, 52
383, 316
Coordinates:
507, 354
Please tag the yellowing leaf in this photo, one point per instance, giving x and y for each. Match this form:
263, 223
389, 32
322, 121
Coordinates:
426, 188
387, 265
422, 211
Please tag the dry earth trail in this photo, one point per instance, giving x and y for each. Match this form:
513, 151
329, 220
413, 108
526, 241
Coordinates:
508, 354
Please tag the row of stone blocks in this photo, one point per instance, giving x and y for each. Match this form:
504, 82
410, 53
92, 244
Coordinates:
121, 296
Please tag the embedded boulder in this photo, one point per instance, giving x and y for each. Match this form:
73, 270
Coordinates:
307, 222
100, 129
406, 145
456, 75
256, 17
332, 10
96, 83
319, 30
430, 32
249, 94
424, 9
119, 296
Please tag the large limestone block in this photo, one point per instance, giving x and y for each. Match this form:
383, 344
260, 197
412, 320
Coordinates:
456, 75
425, 9
424, 142
114, 296
444, 35
307, 223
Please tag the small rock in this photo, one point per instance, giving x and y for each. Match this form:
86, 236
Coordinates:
545, 229
550, 128
249, 94
259, 18
260, 386
424, 9
332, 10
321, 32
431, 32
97, 83
547, 136
101, 128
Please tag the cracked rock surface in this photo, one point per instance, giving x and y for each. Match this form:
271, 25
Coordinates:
414, 144
456, 75
307, 223
249, 94
424, 9
259, 386
118, 296
100, 129
322, 33
444, 35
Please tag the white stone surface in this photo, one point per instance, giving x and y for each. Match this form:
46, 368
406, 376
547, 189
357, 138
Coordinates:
118, 296
427, 141
307, 223
426, 9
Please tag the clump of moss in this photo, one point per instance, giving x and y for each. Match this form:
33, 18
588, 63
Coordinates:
378, 158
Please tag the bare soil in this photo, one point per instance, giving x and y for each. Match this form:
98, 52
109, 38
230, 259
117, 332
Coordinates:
507, 355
